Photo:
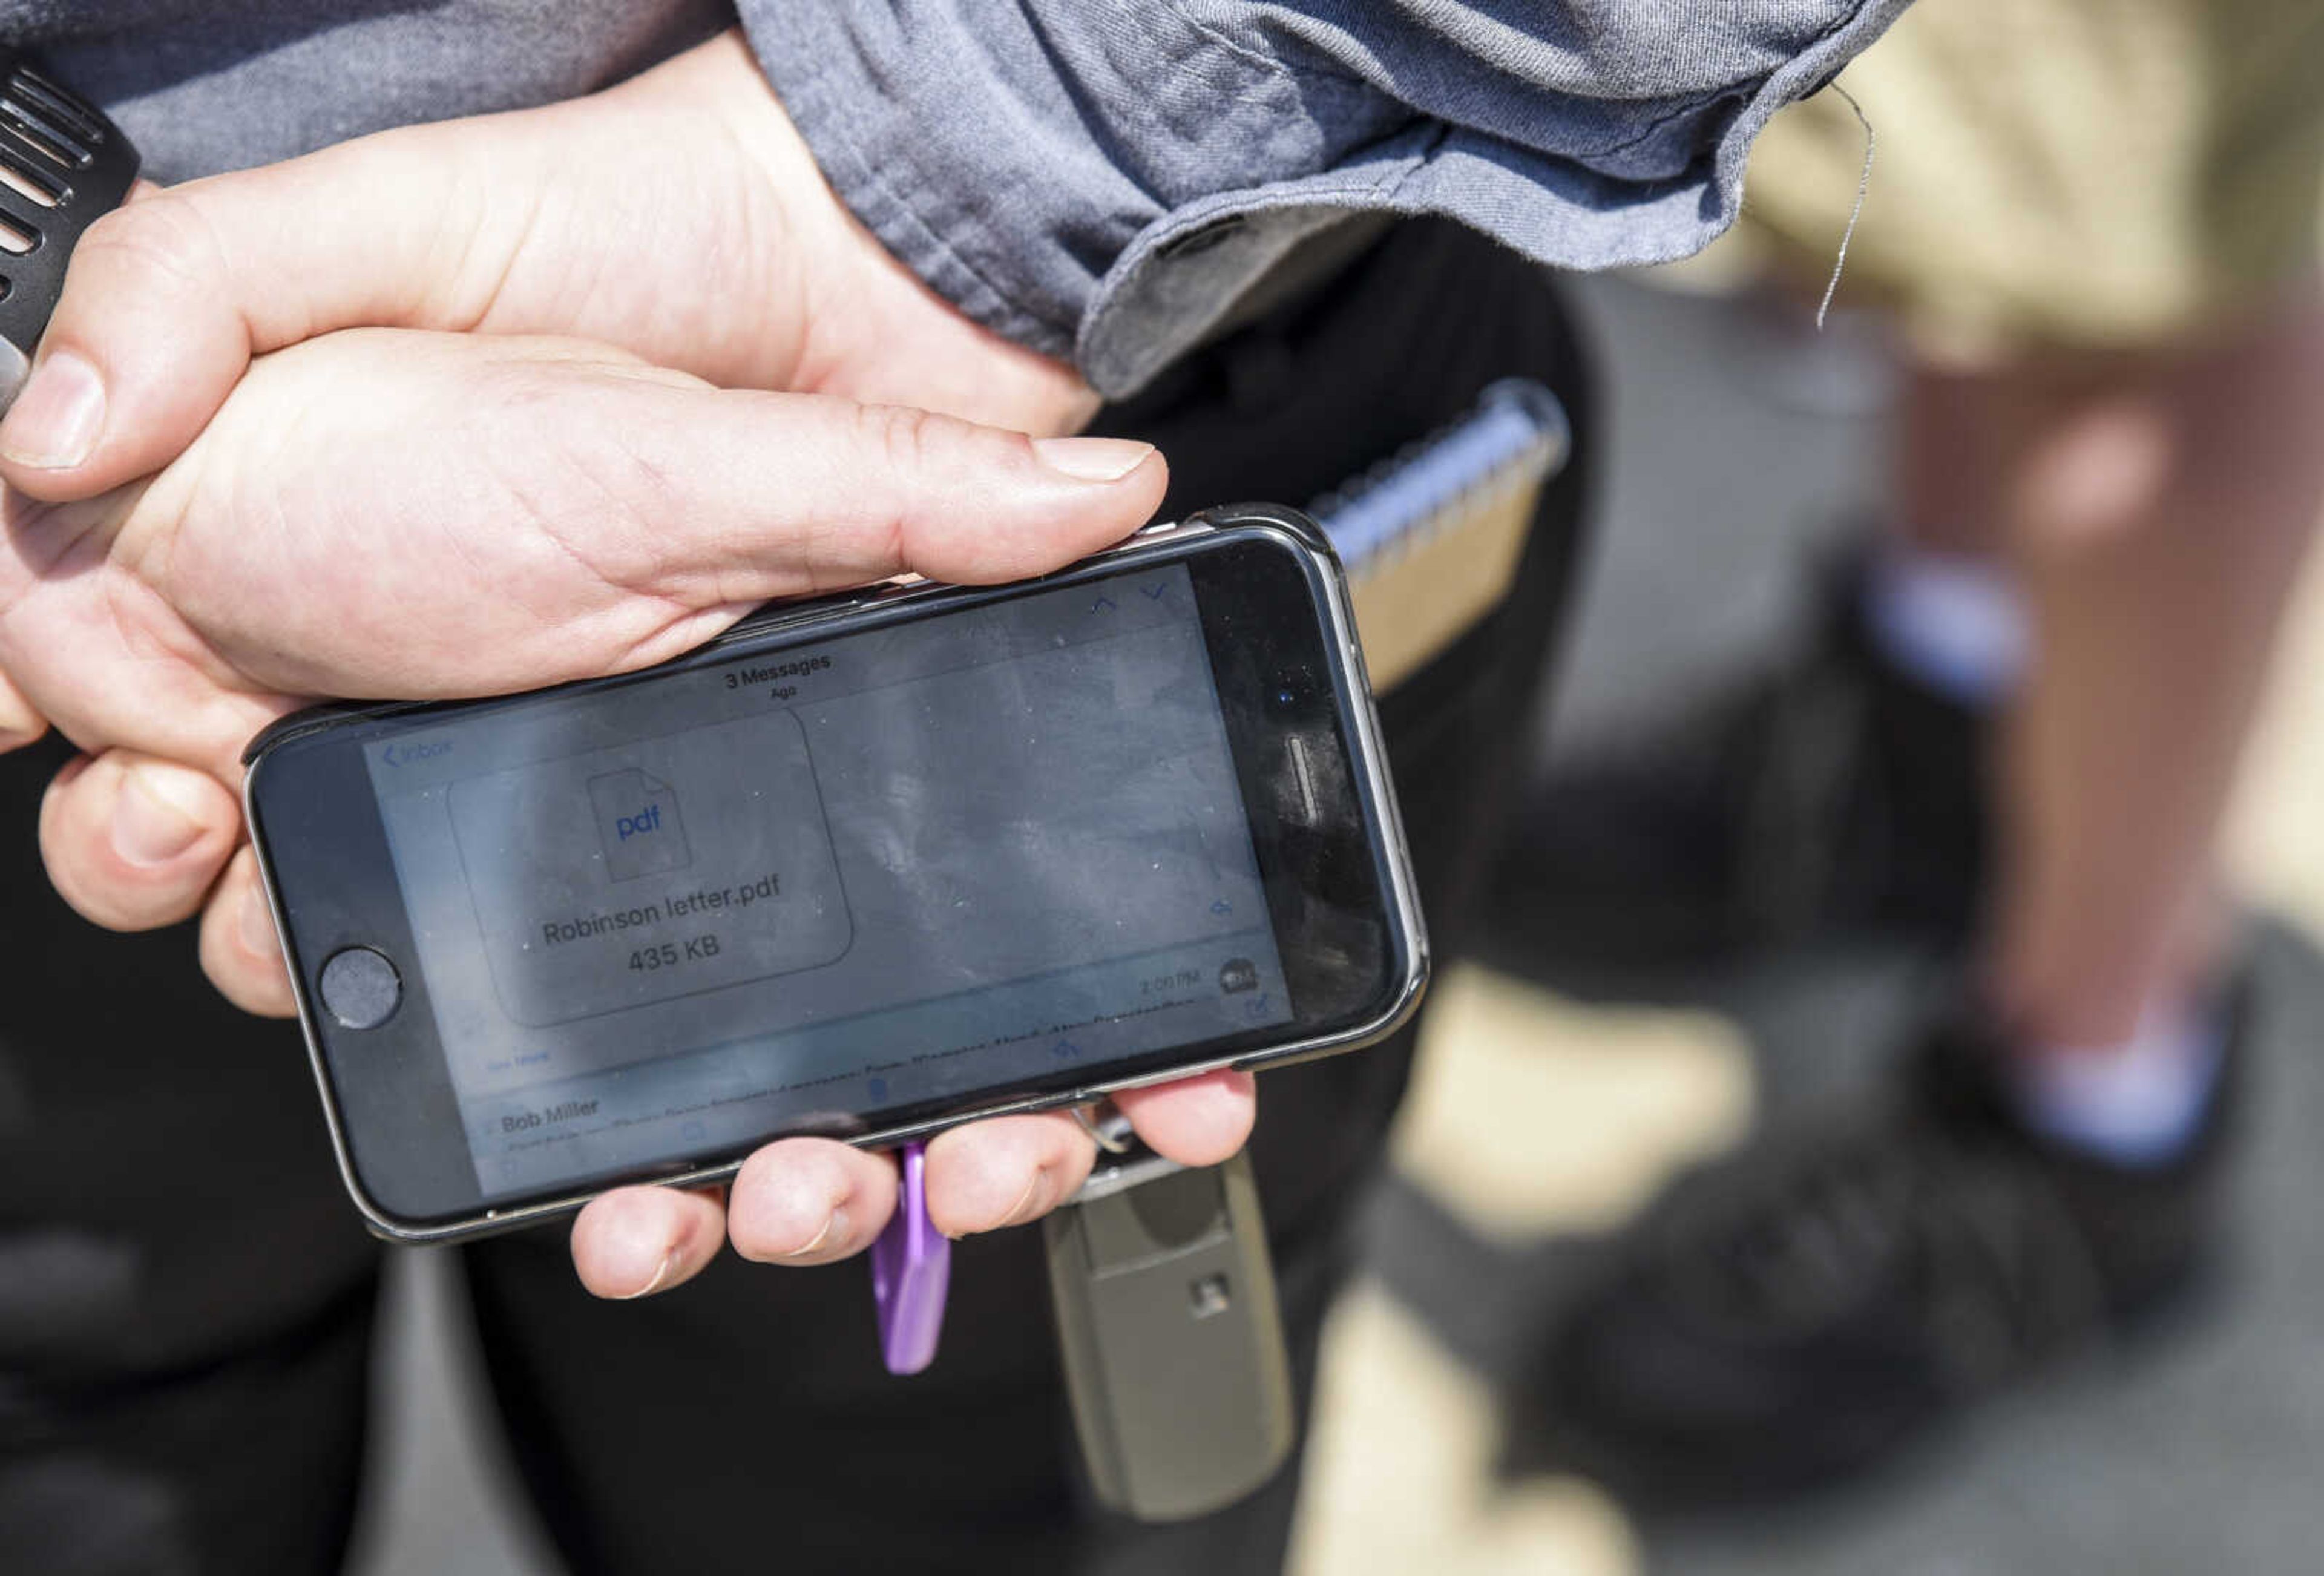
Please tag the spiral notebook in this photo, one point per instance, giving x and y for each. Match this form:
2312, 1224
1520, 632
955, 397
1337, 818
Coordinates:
1432, 536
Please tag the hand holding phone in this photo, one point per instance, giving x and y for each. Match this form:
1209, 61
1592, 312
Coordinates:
136, 838
355, 522
868, 868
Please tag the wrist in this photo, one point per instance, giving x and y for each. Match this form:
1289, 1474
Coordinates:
868, 328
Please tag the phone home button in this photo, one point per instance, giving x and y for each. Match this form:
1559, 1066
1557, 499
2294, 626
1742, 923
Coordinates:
361, 987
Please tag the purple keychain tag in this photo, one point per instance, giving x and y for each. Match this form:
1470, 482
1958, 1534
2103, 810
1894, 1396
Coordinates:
911, 1268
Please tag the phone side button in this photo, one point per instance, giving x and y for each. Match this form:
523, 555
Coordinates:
360, 987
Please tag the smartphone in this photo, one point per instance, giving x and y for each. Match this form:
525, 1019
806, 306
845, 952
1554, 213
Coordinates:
868, 867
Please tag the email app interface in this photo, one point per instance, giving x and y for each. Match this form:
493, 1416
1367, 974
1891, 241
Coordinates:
906, 864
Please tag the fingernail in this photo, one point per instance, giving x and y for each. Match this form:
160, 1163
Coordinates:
56, 419
258, 924
661, 1279
1091, 459
831, 1225
155, 815
1033, 1203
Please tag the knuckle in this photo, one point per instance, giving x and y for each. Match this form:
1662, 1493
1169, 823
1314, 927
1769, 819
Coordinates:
905, 440
164, 243
518, 396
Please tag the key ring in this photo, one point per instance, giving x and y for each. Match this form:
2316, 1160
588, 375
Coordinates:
1109, 1130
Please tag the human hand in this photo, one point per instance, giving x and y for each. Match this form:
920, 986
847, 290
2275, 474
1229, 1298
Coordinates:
815, 1201
677, 215
168, 303
395, 513
383, 512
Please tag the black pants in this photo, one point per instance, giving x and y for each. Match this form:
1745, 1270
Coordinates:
185, 1302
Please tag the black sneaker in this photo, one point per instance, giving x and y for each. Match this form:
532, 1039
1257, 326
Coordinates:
1831, 794
1794, 1315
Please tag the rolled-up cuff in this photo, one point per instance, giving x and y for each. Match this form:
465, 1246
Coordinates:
968, 153
998, 161
1184, 273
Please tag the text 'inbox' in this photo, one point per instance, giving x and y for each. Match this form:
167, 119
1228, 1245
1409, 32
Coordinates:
659, 869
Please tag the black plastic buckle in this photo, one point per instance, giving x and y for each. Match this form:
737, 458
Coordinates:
64, 165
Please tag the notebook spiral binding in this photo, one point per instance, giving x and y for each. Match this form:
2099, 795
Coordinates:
1516, 437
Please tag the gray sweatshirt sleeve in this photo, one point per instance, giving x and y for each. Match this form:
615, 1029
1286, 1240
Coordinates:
1104, 178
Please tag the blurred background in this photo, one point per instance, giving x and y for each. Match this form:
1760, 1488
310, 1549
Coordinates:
1558, 1094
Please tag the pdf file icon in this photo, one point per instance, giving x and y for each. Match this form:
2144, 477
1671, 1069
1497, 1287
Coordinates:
639, 822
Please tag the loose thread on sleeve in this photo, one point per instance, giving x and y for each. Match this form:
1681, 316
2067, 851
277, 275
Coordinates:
1863, 185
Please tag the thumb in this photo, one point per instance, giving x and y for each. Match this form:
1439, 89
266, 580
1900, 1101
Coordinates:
477, 515
169, 297
511, 223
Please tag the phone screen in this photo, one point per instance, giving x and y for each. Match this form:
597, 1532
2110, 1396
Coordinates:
908, 863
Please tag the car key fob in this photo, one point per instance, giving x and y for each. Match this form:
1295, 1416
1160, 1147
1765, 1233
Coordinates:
1171, 1334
